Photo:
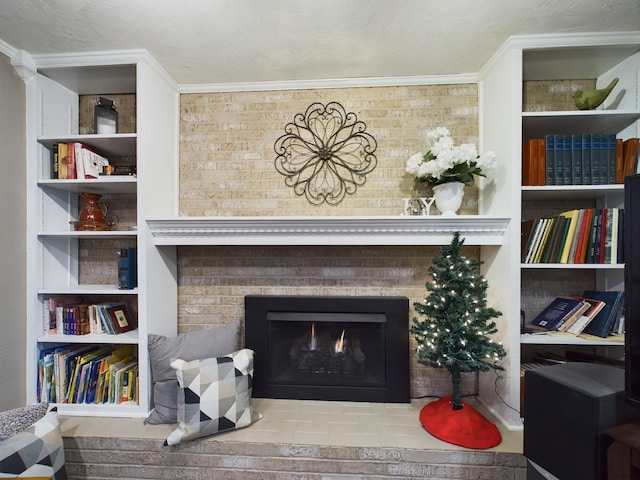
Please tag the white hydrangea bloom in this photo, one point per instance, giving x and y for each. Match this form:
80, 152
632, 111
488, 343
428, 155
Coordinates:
487, 162
444, 159
414, 163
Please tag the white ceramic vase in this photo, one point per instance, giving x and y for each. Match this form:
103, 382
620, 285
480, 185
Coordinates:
448, 197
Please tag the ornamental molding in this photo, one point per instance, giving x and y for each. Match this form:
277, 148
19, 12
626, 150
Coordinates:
401, 230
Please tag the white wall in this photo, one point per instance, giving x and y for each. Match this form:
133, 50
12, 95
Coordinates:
12, 237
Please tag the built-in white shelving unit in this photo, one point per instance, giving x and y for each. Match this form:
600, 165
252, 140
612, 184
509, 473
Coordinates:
505, 125
55, 247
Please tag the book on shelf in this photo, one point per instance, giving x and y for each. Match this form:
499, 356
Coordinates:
630, 154
120, 318
533, 162
78, 374
72, 171
54, 161
572, 216
541, 239
574, 316
557, 313
67, 315
607, 317
575, 237
577, 159
93, 162
527, 231
594, 307
62, 161
75, 160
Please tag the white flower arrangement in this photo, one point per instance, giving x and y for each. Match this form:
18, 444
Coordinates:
445, 162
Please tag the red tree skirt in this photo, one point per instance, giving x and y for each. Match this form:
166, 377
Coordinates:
465, 427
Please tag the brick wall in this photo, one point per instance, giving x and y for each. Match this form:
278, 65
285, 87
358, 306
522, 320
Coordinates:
227, 168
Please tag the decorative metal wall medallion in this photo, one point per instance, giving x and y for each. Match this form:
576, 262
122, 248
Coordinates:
325, 153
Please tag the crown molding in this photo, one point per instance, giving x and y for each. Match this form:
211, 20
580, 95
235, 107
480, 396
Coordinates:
109, 57
329, 83
24, 65
7, 49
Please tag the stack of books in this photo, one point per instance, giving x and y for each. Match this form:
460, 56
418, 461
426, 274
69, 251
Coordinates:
596, 313
580, 159
590, 235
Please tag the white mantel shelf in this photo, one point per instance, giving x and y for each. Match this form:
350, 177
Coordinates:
381, 230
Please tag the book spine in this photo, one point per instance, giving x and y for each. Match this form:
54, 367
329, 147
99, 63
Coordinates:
541, 173
550, 168
567, 176
577, 176
529, 160
619, 161
71, 162
587, 178
610, 140
54, 162
558, 164
596, 170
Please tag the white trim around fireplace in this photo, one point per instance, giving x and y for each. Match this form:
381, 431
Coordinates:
345, 230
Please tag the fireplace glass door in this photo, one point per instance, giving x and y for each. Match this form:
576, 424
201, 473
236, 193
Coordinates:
331, 349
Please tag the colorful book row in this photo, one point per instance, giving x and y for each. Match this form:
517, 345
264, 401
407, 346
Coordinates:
88, 374
590, 235
579, 159
68, 316
71, 161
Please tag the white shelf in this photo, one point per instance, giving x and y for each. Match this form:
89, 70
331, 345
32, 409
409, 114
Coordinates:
119, 145
400, 230
571, 192
130, 337
105, 184
572, 266
87, 290
539, 124
91, 234
562, 338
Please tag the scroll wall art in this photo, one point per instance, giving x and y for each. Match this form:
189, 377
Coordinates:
325, 153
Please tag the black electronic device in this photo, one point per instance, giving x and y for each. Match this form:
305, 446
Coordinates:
631, 239
568, 406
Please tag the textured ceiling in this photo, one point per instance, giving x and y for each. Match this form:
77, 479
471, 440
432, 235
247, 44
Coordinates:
219, 41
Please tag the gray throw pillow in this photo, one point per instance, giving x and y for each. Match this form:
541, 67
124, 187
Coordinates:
214, 342
16, 420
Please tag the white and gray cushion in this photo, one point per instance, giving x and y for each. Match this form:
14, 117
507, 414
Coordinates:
214, 395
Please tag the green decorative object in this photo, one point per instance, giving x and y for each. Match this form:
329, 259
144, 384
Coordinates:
590, 99
455, 330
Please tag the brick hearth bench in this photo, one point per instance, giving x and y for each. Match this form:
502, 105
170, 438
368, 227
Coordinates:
295, 439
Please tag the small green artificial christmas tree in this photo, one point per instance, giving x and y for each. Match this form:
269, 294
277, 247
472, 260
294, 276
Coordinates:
455, 333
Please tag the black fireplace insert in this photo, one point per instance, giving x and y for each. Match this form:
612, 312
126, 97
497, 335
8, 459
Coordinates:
329, 347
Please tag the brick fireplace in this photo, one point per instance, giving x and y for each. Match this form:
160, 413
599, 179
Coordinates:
350, 348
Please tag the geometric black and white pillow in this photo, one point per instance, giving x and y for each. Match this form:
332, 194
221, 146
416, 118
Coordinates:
35, 451
214, 395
